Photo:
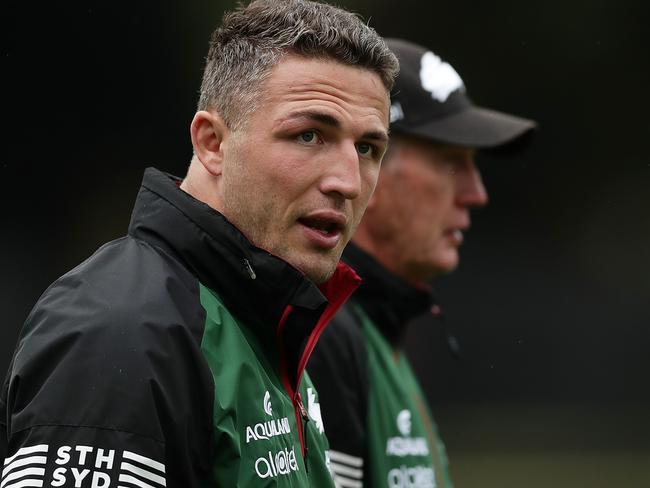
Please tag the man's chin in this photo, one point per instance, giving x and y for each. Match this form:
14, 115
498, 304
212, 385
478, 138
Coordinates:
444, 267
317, 265
320, 277
438, 267
320, 271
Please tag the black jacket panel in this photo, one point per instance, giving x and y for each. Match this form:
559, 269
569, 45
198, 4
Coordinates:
135, 308
341, 353
108, 381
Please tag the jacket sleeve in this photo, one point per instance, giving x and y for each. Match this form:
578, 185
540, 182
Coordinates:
101, 394
339, 370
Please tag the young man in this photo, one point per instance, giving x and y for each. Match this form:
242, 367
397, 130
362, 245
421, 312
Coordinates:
175, 356
377, 420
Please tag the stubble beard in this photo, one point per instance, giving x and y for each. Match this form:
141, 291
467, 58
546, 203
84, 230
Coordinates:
253, 222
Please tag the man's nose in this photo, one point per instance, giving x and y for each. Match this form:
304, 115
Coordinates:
342, 173
470, 189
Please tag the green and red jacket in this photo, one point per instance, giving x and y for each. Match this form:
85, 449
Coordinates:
380, 428
173, 357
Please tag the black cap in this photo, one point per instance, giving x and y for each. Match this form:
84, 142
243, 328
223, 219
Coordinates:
429, 100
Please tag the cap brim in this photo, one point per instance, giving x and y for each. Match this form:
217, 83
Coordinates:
474, 127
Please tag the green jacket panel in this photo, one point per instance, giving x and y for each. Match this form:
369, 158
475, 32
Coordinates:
256, 428
404, 448
379, 426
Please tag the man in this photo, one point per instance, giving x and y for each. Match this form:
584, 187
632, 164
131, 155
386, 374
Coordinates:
175, 355
379, 426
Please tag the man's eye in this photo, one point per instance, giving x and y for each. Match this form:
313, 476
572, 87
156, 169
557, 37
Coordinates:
308, 137
365, 149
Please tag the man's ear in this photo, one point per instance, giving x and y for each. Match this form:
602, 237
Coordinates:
208, 131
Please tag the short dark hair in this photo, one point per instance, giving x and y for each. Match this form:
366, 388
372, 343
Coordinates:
252, 39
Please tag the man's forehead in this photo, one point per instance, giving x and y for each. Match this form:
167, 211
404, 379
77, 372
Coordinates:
298, 78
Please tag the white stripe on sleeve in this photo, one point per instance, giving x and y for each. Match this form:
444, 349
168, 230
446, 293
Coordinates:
346, 471
23, 462
27, 450
143, 473
340, 482
27, 484
342, 458
125, 478
22, 473
144, 460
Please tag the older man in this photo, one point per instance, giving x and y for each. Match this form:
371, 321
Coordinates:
175, 355
377, 420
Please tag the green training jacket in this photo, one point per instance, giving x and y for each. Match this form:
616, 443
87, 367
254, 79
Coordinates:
380, 428
173, 357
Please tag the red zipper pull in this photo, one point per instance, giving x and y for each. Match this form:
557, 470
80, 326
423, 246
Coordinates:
301, 407
305, 418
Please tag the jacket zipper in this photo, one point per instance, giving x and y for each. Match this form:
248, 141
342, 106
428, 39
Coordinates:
303, 428
302, 416
299, 408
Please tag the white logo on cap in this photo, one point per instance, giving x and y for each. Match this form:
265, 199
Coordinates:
396, 112
438, 77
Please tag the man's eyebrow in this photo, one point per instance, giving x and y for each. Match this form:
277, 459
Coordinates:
323, 118
327, 119
381, 136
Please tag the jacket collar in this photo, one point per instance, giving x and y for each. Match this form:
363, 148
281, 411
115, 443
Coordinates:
254, 285
389, 301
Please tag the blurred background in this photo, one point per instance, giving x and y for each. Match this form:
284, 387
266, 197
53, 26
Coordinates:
550, 303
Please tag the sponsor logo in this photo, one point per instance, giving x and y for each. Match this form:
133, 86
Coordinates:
406, 445
328, 462
313, 409
404, 422
268, 408
281, 464
412, 477
268, 429
80, 466
438, 77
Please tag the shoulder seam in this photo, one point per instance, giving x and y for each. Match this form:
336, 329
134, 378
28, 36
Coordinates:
112, 429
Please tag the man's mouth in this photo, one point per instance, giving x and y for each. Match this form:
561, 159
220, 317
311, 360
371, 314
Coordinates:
324, 228
455, 235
